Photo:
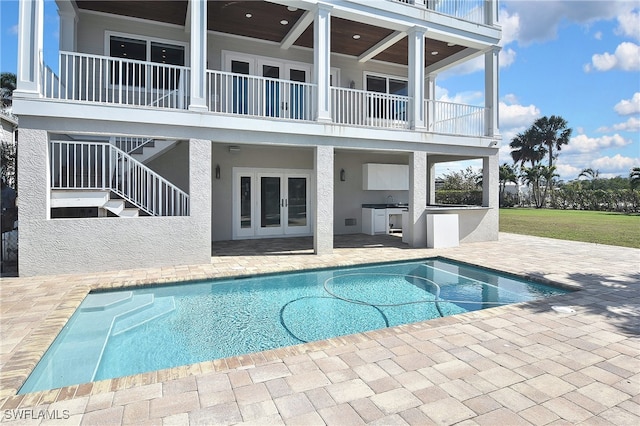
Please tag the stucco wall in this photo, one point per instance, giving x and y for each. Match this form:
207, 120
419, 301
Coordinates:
58, 246
248, 156
173, 165
349, 195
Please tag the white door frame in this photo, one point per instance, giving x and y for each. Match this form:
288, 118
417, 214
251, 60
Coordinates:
255, 231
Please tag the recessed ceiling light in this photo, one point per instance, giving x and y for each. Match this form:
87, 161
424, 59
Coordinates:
248, 15
284, 22
291, 8
356, 36
451, 44
434, 53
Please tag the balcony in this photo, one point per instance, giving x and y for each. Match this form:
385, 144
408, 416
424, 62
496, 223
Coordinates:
469, 10
114, 81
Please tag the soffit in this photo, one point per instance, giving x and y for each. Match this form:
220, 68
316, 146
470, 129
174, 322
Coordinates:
230, 17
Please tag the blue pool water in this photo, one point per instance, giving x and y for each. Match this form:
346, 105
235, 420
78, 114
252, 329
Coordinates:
114, 334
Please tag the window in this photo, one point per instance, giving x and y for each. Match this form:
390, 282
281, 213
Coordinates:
381, 107
135, 73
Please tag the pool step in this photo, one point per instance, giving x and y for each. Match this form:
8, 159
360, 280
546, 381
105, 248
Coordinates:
102, 301
161, 306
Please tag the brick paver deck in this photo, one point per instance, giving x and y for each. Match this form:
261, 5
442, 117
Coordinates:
510, 365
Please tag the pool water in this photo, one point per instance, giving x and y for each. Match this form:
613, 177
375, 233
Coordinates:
114, 334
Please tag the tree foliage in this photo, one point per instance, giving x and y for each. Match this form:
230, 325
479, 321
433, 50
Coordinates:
544, 138
7, 86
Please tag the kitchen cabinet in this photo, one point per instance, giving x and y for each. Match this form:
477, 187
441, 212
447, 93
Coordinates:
385, 177
379, 220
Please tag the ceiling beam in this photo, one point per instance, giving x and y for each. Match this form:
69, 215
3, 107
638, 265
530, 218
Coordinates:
383, 45
452, 61
296, 31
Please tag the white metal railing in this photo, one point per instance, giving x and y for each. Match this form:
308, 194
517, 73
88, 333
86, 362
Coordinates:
457, 119
103, 166
362, 108
128, 144
469, 10
93, 78
242, 94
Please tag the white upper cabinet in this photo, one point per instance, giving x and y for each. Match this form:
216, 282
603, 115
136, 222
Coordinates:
385, 177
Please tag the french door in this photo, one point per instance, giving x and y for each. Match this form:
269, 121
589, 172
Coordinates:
286, 98
270, 202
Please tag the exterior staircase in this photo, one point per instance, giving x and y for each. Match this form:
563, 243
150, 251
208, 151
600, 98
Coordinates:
102, 175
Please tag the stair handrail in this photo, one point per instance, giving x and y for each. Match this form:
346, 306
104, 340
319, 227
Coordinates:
129, 144
104, 166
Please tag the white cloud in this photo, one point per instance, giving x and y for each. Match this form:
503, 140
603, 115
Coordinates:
13, 30
467, 98
585, 144
629, 24
598, 35
631, 125
513, 115
617, 164
539, 21
626, 58
628, 106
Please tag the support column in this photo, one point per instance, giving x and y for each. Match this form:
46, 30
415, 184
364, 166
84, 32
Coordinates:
417, 199
68, 27
322, 60
491, 12
416, 77
431, 182
490, 181
323, 218
198, 15
30, 41
491, 100
200, 195
430, 93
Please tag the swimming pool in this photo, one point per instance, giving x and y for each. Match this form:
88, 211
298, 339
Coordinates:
119, 333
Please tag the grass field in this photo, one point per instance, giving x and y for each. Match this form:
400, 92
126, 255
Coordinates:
594, 227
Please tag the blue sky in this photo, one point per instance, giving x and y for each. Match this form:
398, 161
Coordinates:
574, 58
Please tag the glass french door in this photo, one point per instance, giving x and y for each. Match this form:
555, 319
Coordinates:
270, 202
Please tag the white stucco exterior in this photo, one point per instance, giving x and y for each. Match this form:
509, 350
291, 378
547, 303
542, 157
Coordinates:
240, 166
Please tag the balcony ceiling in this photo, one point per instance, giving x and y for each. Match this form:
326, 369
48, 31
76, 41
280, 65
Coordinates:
230, 17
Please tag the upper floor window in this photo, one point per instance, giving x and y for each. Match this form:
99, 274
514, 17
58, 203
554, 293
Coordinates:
146, 50
135, 74
389, 85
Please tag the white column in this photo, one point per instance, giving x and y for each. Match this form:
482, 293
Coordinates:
430, 93
322, 60
198, 9
491, 12
417, 199
490, 184
431, 182
491, 101
323, 218
68, 26
416, 77
30, 41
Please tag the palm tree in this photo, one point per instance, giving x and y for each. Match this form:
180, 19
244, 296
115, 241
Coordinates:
590, 174
553, 133
526, 147
506, 173
7, 86
634, 177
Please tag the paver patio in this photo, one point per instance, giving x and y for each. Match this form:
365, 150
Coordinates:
518, 364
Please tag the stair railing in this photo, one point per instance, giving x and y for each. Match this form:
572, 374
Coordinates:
102, 166
129, 144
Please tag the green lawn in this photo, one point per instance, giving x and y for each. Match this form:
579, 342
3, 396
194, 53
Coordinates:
595, 227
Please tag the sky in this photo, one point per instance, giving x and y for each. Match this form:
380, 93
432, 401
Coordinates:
579, 59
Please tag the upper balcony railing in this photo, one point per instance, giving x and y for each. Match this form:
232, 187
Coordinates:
243, 94
469, 10
103, 79
100, 79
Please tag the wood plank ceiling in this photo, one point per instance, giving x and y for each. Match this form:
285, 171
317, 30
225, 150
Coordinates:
267, 22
